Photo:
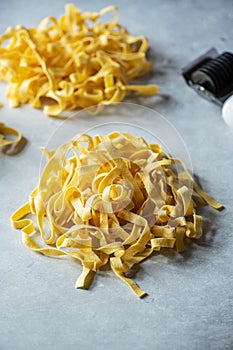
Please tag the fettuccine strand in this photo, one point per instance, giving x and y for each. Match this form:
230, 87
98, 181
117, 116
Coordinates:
10, 146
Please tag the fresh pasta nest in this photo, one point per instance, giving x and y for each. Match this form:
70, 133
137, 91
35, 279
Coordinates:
76, 61
111, 199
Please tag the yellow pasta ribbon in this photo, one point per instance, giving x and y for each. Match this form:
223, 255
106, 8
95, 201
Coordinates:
111, 199
76, 61
10, 146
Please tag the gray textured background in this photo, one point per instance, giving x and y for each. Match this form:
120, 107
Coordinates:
190, 295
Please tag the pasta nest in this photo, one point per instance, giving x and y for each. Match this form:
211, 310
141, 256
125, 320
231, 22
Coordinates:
112, 199
76, 61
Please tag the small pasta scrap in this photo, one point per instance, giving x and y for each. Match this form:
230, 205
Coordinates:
10, 146
77, 61
112, 199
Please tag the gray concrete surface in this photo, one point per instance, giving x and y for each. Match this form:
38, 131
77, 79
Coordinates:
190, 295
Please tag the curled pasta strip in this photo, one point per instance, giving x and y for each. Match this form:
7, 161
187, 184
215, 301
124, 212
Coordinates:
111, 199
10, 146
76, 61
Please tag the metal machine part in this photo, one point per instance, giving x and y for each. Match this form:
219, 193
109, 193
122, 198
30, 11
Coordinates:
211, 75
